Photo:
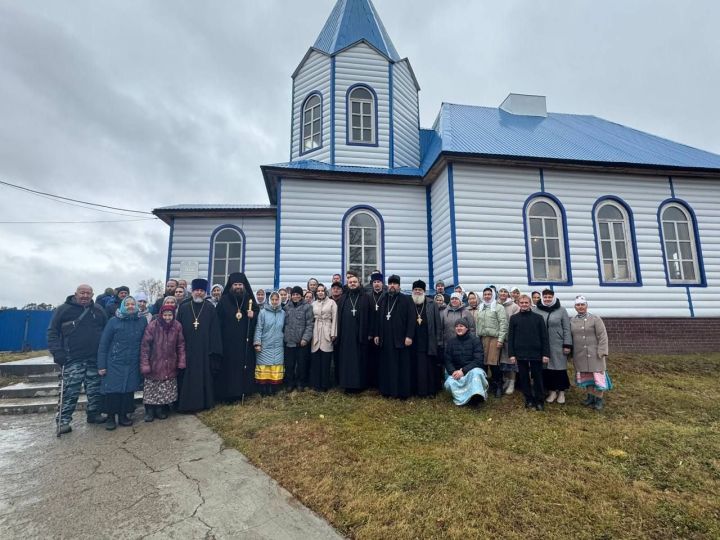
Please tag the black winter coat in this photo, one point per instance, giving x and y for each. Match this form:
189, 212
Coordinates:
464, 352
528, 336
78, 341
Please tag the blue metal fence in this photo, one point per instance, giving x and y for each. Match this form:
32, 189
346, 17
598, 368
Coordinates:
24, 330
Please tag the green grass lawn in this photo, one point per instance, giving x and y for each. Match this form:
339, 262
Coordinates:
648, 466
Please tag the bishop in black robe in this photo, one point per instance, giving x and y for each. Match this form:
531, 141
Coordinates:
203, 349
237, 313
423, 352
352, 340
395, 332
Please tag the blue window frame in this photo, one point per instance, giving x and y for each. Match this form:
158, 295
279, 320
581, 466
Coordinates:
311, 123
361, 116
546, 242
616, 247
680, 242
227, 253
363, 242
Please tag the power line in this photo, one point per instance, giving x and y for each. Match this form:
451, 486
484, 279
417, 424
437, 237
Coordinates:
44, 194
73, 222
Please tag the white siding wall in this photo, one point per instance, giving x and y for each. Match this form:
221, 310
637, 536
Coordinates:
489, 226
361, 64
703, 196
311, 228
405, 117
442, 242
491, 200
313, 76
191, 242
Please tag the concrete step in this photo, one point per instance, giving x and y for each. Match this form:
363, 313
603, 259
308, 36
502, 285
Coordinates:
43, 404
42, 365
30, 390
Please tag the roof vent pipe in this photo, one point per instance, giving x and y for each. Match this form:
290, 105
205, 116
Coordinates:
525, 105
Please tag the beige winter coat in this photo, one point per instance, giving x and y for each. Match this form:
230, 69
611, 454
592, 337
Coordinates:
325, 325
590, 343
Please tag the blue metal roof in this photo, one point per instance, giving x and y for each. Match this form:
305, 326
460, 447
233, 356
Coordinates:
569, 137
181, 207
312, 165
351, 21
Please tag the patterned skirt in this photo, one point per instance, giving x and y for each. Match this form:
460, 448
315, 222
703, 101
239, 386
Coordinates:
600, 380
269, 374
160, 392
473, 383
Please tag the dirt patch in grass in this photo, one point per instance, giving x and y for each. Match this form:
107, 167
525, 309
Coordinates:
646, 467
12, 356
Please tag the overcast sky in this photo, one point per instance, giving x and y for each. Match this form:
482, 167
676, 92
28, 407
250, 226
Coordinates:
147, 103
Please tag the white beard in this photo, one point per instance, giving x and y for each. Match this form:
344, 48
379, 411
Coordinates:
418, 299
198, 300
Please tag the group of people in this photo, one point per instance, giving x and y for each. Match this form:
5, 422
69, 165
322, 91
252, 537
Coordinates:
190, 350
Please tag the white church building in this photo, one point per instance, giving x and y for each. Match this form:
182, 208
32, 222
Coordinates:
510, 195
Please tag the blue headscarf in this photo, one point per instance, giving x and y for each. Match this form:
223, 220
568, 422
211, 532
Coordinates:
122, 311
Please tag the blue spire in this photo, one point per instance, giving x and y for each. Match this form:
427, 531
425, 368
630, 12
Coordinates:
352, 21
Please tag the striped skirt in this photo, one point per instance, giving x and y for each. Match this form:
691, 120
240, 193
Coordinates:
269, 374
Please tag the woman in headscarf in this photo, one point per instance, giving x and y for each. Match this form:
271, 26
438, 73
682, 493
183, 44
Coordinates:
473, 303
312, 286
260, 295
491, 325
590, 359
555, 377
119, 362
324, 334
509, 370
162, 354
142, 306
268, 342
215, 294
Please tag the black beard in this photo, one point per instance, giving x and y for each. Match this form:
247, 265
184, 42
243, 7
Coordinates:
392, 293
239, 293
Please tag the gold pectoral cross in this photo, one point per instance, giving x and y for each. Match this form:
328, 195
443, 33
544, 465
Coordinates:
419, 320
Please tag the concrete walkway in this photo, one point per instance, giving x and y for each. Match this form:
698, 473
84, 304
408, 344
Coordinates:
165, 479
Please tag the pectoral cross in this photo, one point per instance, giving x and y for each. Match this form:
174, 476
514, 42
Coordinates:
238, 315
419, 320
388, 316
354, 311
377, 307
196, 324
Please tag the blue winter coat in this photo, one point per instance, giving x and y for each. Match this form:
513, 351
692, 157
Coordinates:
269, 335
119, 354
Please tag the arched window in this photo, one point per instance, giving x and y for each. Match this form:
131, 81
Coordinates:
227, 253
363, 242
679, 243
545, 235
311, 124
362, 116
615, 243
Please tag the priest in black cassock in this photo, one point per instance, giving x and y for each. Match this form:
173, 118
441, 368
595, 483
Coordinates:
236, 312
394, 336
377, 291
203, 349
352, 337
423, 352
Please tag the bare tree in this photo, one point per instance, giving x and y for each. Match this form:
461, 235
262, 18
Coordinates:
154, 288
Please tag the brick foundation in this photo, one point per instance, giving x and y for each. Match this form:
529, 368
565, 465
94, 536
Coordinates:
663, 335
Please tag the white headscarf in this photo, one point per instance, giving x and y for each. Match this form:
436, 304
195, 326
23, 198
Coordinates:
493, 302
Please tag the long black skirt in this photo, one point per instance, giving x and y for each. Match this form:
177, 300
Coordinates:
321, 374
556, 380
119, 403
